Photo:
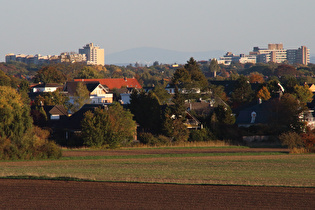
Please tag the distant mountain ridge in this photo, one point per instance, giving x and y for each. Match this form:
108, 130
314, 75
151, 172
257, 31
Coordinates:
148, 55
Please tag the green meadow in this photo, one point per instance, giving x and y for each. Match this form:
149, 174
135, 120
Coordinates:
235, 168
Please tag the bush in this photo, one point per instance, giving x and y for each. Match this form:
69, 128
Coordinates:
50, 150
292, 140
150, 139
309, 141
30, 146
200, 135
298, 151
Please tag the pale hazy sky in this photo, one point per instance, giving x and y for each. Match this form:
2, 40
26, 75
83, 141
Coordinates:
51, 27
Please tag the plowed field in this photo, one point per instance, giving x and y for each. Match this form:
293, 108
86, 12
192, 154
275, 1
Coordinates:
45, 194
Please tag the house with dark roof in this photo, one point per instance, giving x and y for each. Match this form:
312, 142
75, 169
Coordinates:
265, 114
229, 85
56, 112
99, 94
259, 114
48, 87
126, 84
204, 107
192, 122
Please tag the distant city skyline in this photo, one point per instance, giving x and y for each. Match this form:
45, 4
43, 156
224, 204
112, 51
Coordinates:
50, 28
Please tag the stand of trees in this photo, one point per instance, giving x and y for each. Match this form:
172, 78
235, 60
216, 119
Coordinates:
108, 128
18, 137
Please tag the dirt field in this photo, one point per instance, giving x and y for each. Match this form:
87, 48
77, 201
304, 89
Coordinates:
39, 194
47, 194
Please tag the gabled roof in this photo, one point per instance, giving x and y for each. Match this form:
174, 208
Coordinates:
264, 113
45, 85
72, 86
74, 121
229, 85
57, 110
112, 83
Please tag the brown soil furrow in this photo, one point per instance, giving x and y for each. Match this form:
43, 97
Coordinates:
45, 194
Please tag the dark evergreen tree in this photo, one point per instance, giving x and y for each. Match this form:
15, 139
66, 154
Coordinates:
190, 76
197, 77
178, 108
243, 92
224, 115
146, 111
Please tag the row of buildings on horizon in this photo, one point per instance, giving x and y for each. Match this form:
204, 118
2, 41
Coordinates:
94, 55
89, 54
274, 53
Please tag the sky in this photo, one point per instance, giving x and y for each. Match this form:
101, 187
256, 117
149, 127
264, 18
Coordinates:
51, 27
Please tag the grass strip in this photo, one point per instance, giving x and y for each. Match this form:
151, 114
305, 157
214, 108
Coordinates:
73, 179
162, 148
172, 155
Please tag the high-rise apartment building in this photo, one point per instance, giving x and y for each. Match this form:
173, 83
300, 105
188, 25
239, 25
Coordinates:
94, 54
300, 55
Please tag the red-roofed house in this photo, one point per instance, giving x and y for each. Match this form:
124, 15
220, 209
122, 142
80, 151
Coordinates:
113, 83
117, 83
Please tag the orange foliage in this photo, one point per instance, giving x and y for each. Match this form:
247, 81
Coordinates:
256, 78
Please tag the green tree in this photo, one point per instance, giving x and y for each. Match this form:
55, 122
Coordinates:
161, 93
174, 127
108, 128
4, 79
24, 86
197, 77
224, 115
289, 82
156, 63
243, 91
88, 72
81, 97
18, 139
289, 112
52, 99
178, 108
181, 77
50, 74
303, 93
16, 120
190, 76
174, 117
146, 111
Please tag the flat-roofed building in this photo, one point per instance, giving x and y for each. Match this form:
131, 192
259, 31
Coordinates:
229, 57
48, 59
277, 54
